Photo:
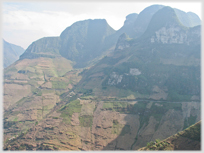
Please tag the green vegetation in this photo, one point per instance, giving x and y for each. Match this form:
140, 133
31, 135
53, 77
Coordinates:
174, 96
121, 107
10, 69
55, 117
15, 119
37, 92
116, 129
192, 132
86, 120
86, 92
59, 85
119, 129
23, 100
36, 123
158, 145
178, 79
69, 109
163, 146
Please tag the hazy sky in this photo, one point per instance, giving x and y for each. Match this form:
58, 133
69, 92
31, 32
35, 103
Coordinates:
25, 22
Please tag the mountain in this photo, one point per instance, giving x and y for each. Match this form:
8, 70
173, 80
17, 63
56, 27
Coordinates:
188, 139
87, 90
84, 40
81, 43
188, 19
144, 18
163, 61
44, 47
11, 53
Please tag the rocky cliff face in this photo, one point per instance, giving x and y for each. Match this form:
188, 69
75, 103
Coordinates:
169, 35
176, 35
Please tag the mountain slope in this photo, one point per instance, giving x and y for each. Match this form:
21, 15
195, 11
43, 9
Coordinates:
151, 65
44, 47
144, 18
189, 19
188, 139
81, 43
84, 40
11, 53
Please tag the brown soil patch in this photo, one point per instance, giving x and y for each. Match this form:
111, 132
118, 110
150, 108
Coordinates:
14, 92
75, 119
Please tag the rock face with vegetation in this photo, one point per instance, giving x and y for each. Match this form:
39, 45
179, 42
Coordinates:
166, 64
11, 53
142, 89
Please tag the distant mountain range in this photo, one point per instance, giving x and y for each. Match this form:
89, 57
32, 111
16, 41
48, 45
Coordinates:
94, 88
11, 53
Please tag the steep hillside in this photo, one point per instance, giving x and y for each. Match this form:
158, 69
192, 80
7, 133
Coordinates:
32, 89
44, 47
164, 63
40, 62
84, 40
35, 84
11, 53
188, 139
